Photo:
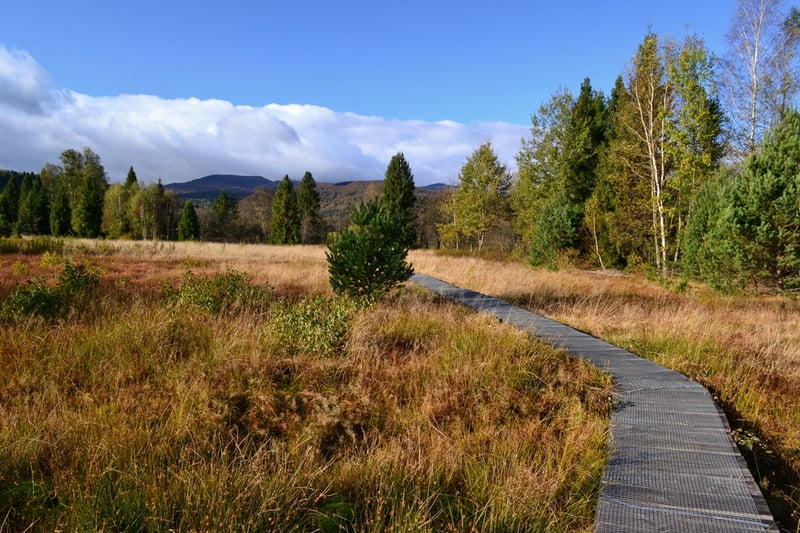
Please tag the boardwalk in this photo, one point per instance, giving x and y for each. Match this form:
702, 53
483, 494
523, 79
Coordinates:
673, 466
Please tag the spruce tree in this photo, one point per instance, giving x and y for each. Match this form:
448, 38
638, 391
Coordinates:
285, 215
60, 213
188, 226
225, 209
309, 205
33, 216
131, 182
9, 203
87, 216
397, 195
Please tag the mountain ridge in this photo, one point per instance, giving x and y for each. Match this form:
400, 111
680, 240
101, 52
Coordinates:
208, 187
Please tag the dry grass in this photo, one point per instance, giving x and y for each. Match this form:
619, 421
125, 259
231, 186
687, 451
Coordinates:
746, 349
139, 412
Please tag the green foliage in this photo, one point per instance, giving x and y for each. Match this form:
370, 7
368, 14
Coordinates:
765, 211
317, 326
72, 291
153, 213
60, 213
556, 231
285, 215
308, 205
31, 246
746, 229
116, 222
368, 259
188, 225
709, 254
221, 293
87, 213
397, 195
9, 202
33, 216
480, 200
558, 172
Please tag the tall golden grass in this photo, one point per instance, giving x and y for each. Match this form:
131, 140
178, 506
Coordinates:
142, 412
744, 348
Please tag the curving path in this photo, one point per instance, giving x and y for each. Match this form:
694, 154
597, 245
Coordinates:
673, 466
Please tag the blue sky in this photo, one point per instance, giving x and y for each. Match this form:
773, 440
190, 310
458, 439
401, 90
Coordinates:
272, 83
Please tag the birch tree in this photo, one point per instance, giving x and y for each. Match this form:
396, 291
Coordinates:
759, 75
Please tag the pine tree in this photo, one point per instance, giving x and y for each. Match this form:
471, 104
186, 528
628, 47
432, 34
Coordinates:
397, 195
765, 211
188, 226
309, 206
368, 259
285, 215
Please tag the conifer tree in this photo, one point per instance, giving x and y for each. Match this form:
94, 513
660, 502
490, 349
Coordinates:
368, 259
285, 227
131, 182
33, 216
60, 213
397, 195
188, 226
309, 205
87, 216
765, 209
9, 204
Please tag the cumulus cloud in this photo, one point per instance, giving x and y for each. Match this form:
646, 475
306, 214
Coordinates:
181, 139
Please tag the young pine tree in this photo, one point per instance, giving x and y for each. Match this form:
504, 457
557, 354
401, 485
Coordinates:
368, 259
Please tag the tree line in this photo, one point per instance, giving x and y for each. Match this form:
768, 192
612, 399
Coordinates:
75, 198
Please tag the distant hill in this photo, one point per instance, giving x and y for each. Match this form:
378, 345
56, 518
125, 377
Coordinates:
208, 188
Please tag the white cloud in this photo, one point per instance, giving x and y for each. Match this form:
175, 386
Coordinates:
181, 139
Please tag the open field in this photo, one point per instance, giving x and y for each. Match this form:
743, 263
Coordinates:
152, 399
745, 349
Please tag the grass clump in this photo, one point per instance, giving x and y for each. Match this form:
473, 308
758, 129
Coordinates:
31, 245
